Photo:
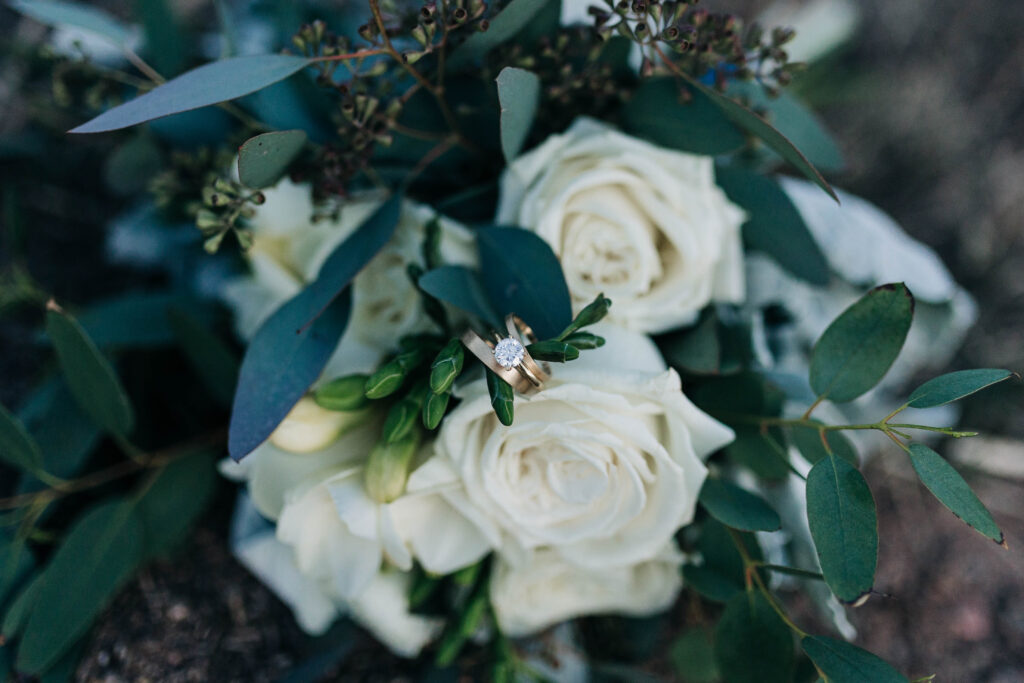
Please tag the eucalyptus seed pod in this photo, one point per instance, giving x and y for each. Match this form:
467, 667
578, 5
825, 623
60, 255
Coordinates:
446, 366
387, 469
343, 394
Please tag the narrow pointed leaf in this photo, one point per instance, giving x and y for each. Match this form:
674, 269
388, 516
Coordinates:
736, 508
17, 447
842, 662
954, 386
174, 502
949, 487
858, 348
211, 83
78, 15
263, 159
752, 644
460, 287
844, 526
518, 94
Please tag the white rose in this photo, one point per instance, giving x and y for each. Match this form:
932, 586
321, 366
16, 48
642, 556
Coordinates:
289, 249
645, 225
603, 465
547, 590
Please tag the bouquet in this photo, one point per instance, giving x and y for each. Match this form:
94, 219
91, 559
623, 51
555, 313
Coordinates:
548, 311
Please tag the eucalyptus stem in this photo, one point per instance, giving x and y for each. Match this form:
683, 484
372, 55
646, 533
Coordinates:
750, 567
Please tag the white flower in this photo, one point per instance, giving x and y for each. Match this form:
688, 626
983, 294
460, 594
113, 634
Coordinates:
547, 589
289, 249
602, 466
645, 225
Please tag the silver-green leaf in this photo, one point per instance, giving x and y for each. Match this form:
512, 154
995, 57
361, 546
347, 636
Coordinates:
518, 94
954, 386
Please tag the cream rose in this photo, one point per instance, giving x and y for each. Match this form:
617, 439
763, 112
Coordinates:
289, 249
603, 466
547, 590
645, 225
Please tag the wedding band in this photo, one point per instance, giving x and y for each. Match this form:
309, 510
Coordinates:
507, 357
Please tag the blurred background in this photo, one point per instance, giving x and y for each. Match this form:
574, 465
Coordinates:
926, 98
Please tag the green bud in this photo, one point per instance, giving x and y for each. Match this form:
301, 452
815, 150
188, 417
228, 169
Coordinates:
447, 366
554, 351
206, 219
386, 380
245, 239
502, 398
592, 313
212, 244
343, 394
434, 408
432, 244
387, 469
413, 57
402, 417
420, 35
225, 186
585, 340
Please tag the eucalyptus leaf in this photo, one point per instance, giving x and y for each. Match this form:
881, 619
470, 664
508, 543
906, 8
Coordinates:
263, 159
15, 563
696, 351
17, 447
522, 275
709, 583
773, 225
693, 656
808, 441
841, 662
211, 83
66, 436
214, 363
858, 348
460, 287
98, 554
90, 377
762, 452
752, 644
19, 609
737, 508
844, 526
165, 41
519, 95
291, 348
175, 500
515, 16
138, 319
656, 113
949, 487
92, 19
954, 386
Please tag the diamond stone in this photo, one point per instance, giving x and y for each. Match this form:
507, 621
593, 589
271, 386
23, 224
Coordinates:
509, 353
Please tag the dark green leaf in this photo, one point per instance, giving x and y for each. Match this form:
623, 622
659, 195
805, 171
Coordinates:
98, 554
213, 361
512, 19
844, 526
762, 452
697, 350
717, 546
955, 386
502, 398
434, 408
747, 394
208, 84
519, 94
130, 167
774, 226
92, 381
737, 508
291, 348
949, 487
17, 447
460, 287
447, 366
522, 275
709, 583
165, 42
262, 160
592, 313
693, 656
858, 348
138, 319
656, 113
402, 417
19, 609
842, 662
64, 433
343, 394
808, 441
175, 500
554, 351
15, 563
94, 20
752, 644
385, 380
585, 341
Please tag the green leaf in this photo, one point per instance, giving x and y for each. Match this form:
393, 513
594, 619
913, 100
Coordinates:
585, 341
165, 41
592, 313
387, 468
214, 363
737, 508
710, 583
17, 447
752, 644
447, 366
263, 159
175, 500
757, 126
808, 441
697, 350
403, 416
774, 226
502, 398
460, 287
858, 348
512, 19
209, 84
385, 380
844, 526
54, 13
842, 662
716, 545
15, 563
344, 394
90, 378
434, 408
656, 113
66, 436
19, 609
99, 553
519, 95
949, 487
291, 348
762, 452
522, 275
138, 319
554, 351
955, 386
693, 656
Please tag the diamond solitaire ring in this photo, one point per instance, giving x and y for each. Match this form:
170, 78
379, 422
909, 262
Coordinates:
507, 357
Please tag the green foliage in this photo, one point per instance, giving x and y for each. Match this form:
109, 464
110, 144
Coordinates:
17, 447
519, 94
263, 159
693, 657
139, 319
92, 19
841, 662
434, 408
404, 414
710, 584
343, 394
501, 398
762, 451
955, 386
844, 526
90, 377
592, 313
214, 363
808, 440
461, 287
553, 350
949, 487
447, 366
861, 344
505, 25
19, 608
165, 41
737, 508
387, 468
752, 644
172, 502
